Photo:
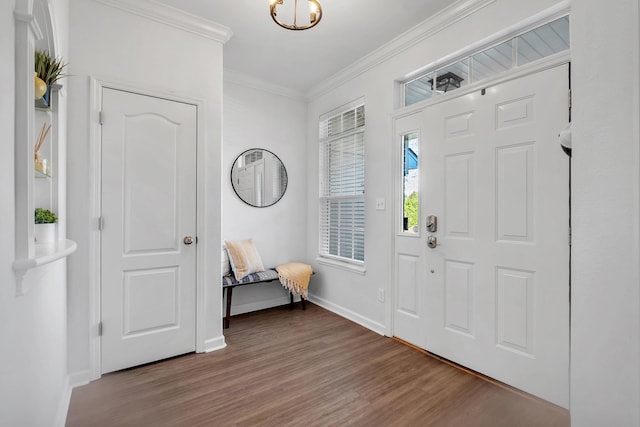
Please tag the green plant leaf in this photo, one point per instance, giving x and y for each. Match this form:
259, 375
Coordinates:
48, 68
45, 216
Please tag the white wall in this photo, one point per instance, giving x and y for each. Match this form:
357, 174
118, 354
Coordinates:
114, 45
34, 388
257, 115
605, 376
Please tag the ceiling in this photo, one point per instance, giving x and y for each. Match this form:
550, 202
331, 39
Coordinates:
298, 60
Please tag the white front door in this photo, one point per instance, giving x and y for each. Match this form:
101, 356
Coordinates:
493, 295
148, 272
498, 286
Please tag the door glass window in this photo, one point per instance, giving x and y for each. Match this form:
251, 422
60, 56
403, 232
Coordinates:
538, 43
543, 41
410, 182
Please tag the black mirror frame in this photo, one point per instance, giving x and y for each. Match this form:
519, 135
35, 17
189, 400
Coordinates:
286, 175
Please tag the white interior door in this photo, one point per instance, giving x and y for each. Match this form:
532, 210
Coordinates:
498, 282
148, 272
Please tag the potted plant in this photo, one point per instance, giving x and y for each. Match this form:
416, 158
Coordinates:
48, 69
45, 228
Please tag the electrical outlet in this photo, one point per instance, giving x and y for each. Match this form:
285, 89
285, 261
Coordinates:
381, 295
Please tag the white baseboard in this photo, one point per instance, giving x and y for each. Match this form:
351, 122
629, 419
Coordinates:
63, 405
214, 344
260, 305
372, 325
76, 379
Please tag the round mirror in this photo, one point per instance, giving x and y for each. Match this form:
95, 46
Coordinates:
259, 178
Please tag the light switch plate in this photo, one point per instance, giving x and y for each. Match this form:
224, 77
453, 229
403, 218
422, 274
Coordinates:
380, 203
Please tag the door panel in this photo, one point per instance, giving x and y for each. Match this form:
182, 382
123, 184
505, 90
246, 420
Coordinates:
148, 274
493, 293
497, 300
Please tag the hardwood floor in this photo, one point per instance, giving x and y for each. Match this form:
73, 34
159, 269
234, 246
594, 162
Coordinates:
308, 368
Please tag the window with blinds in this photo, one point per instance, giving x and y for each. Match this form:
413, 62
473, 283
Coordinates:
342, 183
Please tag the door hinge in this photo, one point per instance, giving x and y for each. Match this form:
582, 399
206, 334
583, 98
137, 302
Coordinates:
100, 223
100, 329
100, 118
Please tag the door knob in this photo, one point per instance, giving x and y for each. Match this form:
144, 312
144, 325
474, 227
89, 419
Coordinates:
432, 241
188, 240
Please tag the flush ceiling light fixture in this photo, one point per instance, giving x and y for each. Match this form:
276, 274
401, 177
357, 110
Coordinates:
315, 14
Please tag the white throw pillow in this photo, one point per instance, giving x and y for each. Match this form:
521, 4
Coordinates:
226, 267
244, 258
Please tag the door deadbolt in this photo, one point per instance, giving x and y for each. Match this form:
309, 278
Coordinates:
432, 241
432, 223
188, 240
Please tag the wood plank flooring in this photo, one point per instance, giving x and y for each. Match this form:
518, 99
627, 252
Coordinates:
308, 368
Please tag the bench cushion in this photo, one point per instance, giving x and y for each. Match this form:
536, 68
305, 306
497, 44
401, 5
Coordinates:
261, 276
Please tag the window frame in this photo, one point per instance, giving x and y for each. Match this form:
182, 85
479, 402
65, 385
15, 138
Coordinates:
485, 45
354, 190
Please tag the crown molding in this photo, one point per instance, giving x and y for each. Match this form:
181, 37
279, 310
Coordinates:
160, 12
433, 25
241, 79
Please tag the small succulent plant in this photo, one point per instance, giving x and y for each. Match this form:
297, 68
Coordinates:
45, 216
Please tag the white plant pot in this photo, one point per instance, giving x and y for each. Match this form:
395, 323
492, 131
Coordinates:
45, 233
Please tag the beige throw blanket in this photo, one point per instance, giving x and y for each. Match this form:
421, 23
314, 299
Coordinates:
295, 277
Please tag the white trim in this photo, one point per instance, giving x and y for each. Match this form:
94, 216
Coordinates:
438, 22
344, 265
95, 211
214, 344
80, 378
164, 14
238, 78
63, 405
31, 21
635, 78
372, 325
201, 227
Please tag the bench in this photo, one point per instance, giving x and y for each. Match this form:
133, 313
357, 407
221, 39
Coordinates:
229, 282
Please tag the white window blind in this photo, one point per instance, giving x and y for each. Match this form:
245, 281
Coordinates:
342, 183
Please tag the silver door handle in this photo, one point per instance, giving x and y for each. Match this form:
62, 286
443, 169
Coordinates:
188, 240
432, 242
432, 223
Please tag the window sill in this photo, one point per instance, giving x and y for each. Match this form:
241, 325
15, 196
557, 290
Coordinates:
353, 268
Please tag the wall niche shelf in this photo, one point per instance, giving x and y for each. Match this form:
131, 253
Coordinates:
41, 175
44, 253
34, 188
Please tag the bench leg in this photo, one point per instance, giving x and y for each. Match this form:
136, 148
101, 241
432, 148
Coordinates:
304, 307
227, 316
